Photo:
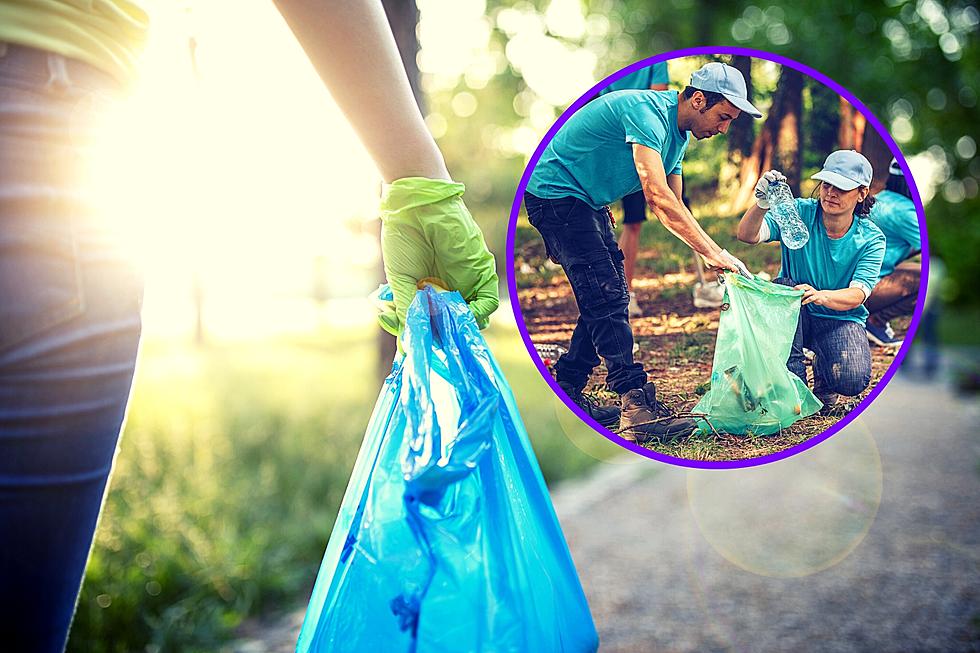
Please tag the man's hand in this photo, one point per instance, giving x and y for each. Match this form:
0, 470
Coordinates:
428, 234
762, 187
723, 260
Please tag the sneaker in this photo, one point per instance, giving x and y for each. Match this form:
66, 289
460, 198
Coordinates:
635, 310
607, 416
709, 294
880, 335
643, 418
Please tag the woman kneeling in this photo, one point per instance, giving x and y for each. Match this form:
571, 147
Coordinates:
836, 269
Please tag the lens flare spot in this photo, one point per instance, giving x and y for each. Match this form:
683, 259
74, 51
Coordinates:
794, 517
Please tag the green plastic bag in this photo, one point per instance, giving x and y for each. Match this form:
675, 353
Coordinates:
751, 388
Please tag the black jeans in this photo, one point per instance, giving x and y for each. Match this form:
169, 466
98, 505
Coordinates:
580, 239
842, 356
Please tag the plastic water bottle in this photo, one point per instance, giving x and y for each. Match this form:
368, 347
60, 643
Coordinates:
782, 208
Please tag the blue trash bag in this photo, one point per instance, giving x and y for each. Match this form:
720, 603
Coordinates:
446, 538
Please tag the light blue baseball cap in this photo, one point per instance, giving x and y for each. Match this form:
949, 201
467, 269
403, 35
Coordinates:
846, 169
722, 78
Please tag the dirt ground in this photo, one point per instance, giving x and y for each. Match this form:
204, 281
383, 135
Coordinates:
676, 346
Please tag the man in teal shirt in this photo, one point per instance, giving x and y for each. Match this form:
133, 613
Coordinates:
621, 143
654, 78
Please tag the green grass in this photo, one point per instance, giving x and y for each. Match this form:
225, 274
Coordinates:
233, 464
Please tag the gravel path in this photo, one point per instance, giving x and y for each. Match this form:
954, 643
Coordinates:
868, 542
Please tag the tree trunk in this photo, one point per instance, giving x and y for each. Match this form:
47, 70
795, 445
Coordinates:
852, 126
742, 133
822, 123
781, 129
403, 16
741, 136
876, 149
789, 137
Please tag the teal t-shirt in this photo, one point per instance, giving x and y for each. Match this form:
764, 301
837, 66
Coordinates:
832, 264
591, 156
643, 78
896, 217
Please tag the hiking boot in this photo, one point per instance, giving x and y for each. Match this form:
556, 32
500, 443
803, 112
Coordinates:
634, 308
607, 416
643, 418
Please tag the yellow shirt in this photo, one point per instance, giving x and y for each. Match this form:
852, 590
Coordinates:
108, 34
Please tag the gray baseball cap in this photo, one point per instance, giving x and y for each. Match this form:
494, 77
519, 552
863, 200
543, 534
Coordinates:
846, 169
722, 78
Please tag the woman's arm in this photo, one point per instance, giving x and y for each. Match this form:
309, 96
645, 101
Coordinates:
750, 224
836, 300
351, 46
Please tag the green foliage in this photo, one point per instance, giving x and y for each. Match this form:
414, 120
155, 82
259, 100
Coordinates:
231, 471
914, 64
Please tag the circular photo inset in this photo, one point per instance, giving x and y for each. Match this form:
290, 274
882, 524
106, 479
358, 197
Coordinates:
717, 257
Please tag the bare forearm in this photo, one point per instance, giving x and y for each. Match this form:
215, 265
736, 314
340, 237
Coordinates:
351, 46
844, 299
749, 225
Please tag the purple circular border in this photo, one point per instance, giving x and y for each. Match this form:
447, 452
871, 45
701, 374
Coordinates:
727, 464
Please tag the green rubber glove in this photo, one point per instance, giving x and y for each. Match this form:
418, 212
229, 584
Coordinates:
427, 234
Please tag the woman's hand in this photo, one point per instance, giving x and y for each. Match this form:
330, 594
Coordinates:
843, 299
429, 235
762, 186
813, 296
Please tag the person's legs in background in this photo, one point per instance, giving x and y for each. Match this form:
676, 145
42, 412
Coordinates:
893, 296
69, 333
634, 215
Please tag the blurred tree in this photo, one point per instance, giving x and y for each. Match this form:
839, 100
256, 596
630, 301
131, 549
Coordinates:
850, 133
789, 136
742, 132
914, 64
876, 149
778, 142
403, 18
821, 124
